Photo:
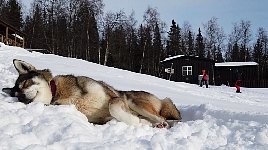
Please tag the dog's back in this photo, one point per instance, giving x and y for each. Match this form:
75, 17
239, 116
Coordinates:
90, 97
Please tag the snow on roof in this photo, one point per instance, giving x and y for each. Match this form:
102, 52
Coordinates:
236, 64
173, 57
17, 36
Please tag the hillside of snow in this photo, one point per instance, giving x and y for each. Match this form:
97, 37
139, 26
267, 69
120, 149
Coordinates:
213, 118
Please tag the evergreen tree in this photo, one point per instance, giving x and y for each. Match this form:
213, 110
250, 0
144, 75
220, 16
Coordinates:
70, 28
133, 47
119, 48
85, 27
113, 22
2, 8
199, 45
12, 13
187, 42
190, 44
157, 50
131, 41
34, 28
228, 52
174, 46
258, 56
257, 52
219, 57
153, 38
93, 39
209, 56
61, 42
235, 56
244, 53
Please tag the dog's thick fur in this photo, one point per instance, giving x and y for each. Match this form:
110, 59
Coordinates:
97, 100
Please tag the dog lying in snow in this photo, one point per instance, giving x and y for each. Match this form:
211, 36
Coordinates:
97, 100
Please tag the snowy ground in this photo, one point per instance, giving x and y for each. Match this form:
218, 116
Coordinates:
213, 118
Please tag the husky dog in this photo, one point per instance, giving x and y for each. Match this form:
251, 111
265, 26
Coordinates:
98, 101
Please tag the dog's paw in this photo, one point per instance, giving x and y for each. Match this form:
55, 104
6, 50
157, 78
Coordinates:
162, 125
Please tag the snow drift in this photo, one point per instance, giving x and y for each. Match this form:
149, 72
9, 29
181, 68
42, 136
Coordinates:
213, 118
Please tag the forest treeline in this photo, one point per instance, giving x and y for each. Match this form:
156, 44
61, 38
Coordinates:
80, 29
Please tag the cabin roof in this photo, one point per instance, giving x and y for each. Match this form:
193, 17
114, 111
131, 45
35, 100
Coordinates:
4, 24
233, 64
180, 56
173, 57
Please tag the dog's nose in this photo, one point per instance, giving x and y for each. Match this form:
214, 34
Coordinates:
20, 95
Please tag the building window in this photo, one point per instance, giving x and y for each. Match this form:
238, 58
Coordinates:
187, 70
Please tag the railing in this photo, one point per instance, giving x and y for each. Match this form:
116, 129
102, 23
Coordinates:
11, 42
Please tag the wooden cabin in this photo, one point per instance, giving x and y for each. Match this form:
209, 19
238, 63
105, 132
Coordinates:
188, 69
9, 35
226, 73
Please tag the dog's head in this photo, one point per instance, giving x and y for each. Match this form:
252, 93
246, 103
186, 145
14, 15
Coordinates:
31, 85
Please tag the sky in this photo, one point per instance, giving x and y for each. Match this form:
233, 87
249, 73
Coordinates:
196, 12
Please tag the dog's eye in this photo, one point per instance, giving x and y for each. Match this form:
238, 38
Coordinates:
27, 83
21, 85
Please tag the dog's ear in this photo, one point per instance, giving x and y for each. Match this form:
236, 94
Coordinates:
23, 67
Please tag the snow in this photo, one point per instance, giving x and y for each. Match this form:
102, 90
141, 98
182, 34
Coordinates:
213, 118
236, 64
17, 36
173, 57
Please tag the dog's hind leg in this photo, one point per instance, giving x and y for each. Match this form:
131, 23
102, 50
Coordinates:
147, 110
120, 111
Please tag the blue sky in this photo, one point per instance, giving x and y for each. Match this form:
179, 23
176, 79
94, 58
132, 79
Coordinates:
198, 12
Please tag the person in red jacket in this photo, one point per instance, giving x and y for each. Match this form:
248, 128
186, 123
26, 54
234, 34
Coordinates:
238, 82
204, 80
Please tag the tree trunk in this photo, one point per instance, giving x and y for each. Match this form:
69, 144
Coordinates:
143, 54
106, 52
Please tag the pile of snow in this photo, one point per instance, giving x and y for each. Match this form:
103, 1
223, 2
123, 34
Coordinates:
213, 118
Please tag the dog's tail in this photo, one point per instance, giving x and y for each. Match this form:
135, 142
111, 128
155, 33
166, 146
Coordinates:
169, 110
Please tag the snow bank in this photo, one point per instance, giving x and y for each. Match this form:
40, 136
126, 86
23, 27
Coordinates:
214, 118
